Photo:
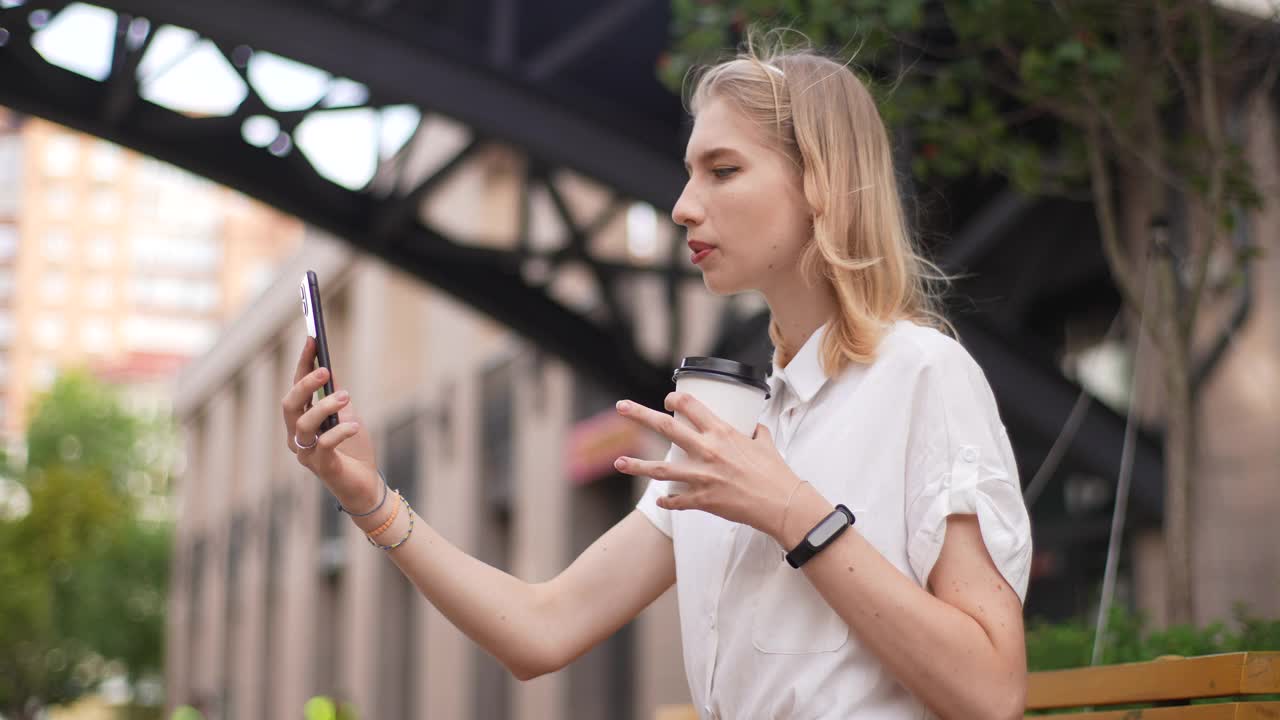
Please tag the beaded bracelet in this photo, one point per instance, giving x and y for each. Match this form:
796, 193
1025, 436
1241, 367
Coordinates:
402, 540
386, 524
385, 489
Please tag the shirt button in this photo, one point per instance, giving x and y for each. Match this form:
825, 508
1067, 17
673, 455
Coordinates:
970, 454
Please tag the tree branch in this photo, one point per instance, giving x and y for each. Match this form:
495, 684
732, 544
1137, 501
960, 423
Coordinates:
1153, 164
1104, 210
1209, 104
1164, 28
1130, 144
1019, 92
1173, 340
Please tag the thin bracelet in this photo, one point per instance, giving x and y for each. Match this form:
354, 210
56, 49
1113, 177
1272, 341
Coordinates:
782, 526
386, 524
401, 541
385, 489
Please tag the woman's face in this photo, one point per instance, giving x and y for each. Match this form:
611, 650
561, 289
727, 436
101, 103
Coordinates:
743, 206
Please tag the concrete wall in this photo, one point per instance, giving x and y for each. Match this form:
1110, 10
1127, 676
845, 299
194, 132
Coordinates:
294, 629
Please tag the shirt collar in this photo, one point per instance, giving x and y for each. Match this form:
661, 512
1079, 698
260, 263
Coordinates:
804, 374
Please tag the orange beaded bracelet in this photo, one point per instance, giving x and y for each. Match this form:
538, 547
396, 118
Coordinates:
386, 524
409, 511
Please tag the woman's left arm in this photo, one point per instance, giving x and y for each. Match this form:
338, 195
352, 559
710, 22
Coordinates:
958, 646
961, 649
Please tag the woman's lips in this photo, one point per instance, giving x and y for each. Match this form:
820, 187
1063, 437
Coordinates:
700, 250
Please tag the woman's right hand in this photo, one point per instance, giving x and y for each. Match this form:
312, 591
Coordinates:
343, 457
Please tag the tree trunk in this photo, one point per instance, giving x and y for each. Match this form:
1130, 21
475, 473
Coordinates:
1179, 470
1148, 281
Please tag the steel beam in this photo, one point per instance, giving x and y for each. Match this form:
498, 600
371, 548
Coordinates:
486, 279
493, 105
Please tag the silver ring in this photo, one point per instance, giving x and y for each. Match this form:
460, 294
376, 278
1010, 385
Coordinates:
299, 442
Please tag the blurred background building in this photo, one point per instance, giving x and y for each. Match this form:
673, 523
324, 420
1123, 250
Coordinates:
504, 449
481, 192
117, 262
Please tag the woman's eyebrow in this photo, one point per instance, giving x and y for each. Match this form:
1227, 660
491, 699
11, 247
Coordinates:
712, 154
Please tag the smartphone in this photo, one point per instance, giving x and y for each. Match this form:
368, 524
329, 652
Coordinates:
309, 289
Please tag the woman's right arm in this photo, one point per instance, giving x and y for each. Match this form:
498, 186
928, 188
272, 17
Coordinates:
531, 628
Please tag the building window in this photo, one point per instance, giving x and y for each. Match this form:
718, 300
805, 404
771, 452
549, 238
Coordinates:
8, 241
497, 440
161, 334
57, 246
10, 173
49, 331
106, 160
105, 204
45, 373
61, 155
102, 249
95, 335
54, 287
98, 293
176, 253
174, 294
398, 628
497, 397
59, 199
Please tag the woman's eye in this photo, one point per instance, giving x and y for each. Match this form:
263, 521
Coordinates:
724, 172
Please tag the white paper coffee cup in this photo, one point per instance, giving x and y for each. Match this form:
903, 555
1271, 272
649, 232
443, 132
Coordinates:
734, 391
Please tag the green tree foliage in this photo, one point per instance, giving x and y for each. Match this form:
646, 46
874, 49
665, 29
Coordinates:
974, 81
84, 573
1134, 105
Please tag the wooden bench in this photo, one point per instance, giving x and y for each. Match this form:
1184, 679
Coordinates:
1169, 683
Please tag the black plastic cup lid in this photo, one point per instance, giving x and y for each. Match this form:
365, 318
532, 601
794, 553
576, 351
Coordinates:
743, 373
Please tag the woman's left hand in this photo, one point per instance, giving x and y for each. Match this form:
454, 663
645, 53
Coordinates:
741, 479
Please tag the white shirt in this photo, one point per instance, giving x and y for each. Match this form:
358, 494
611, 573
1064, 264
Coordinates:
903, 442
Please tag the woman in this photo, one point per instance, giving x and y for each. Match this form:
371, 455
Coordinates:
916, 607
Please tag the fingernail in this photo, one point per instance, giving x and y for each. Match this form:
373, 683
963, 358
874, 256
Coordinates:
624, 404
620, 463
342, 395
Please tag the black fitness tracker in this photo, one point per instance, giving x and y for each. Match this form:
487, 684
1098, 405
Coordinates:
822, 535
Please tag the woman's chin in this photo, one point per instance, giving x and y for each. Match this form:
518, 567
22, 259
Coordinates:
721, 283
718, 286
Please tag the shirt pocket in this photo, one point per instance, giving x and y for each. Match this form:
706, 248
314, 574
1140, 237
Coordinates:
790, 616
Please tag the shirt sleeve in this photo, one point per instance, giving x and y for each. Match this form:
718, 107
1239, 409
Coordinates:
960, 462
648, 505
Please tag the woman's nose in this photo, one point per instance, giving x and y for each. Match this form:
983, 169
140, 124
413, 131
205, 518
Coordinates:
686, 212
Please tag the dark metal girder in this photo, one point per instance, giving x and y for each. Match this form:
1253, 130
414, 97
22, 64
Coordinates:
607, 18
494, 106
488, 280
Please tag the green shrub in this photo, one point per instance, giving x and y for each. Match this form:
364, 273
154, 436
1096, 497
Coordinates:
1056, 646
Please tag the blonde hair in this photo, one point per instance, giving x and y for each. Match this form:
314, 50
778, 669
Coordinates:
825, 120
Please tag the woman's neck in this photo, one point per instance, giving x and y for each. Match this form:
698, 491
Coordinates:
799, 311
